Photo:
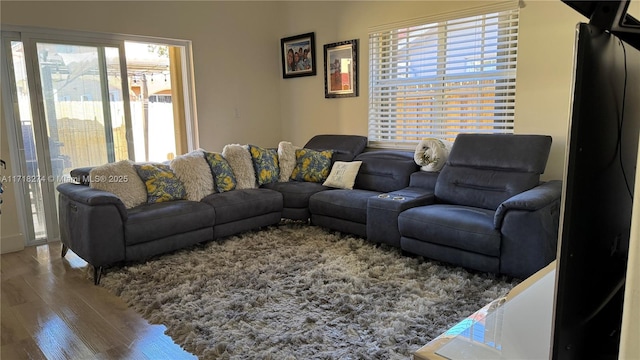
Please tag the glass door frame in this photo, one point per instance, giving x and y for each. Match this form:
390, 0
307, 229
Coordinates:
11, 111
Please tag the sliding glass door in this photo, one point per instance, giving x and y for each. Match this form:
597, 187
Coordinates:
83, 105
75, 102
76, 82
21, 136
73, 115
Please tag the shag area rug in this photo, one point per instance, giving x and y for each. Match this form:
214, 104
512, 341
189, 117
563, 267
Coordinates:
295, 291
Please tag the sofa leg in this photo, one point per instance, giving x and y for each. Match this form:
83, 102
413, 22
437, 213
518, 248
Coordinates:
97, 274
64, 250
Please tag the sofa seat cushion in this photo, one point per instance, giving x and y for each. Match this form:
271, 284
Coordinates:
460, 227
243, 204
149, 222
350, 205
296, 194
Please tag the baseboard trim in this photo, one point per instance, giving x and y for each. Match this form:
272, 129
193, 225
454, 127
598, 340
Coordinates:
12, 243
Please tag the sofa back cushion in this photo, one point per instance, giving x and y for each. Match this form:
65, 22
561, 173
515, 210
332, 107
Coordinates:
385, 170
345, 147
483, 170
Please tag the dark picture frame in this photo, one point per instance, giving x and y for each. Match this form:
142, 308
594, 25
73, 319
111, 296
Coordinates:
295, 64
341, 69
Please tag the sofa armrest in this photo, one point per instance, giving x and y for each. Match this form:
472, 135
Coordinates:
529, 227
92, 197
530, 200
92, 224
383, 211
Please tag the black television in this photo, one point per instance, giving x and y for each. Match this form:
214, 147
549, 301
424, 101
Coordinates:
598, 190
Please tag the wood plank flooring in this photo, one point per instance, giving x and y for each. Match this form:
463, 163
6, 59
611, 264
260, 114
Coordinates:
50, 309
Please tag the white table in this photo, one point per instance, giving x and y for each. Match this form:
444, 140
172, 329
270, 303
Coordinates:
515, 327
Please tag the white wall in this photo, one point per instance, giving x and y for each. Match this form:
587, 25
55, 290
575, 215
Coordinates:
630, 341
545, 74
545, 58
235, 52
241, 95
305, 111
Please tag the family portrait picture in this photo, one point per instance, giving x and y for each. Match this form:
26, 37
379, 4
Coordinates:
298, 55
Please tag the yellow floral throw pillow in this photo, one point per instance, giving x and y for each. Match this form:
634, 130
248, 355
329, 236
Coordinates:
312, 165
223, 176
161, 182
265, 163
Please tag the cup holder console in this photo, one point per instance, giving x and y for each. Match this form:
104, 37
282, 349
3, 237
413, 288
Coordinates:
387, 196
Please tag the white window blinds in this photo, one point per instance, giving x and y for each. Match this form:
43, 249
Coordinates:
442, 78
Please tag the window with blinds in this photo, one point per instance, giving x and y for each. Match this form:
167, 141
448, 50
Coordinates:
443, 78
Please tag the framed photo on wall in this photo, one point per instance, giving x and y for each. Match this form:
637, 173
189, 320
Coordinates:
341, 69
298, 55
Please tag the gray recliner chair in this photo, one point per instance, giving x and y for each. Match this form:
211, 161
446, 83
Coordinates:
491, 212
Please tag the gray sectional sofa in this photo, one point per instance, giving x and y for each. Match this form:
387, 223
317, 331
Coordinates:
485, 210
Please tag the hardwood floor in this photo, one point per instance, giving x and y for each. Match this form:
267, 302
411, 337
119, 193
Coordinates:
50, 309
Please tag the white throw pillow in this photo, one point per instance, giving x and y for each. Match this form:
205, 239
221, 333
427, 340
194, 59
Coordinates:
194, 172
239, 159
286, 159
121, 179
343, 174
